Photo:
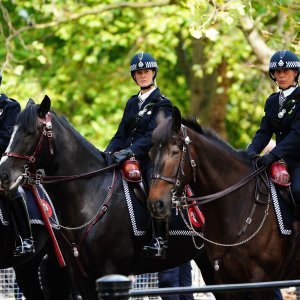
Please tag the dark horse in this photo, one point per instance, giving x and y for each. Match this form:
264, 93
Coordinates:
96, 234
29, 267
241, 235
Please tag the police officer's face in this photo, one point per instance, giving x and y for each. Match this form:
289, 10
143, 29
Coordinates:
285, 77
144, 77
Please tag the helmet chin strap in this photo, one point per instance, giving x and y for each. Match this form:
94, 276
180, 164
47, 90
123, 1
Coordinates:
147, 87
292, 85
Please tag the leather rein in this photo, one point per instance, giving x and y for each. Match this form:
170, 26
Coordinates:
33, 176
177, 190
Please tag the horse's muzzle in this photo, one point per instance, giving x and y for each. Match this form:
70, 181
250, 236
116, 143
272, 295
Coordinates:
6, 184
159, 209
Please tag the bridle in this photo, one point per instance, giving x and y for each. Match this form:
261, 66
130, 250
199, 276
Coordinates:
45, 133
181, 200
179, 197
31, 174
176, 181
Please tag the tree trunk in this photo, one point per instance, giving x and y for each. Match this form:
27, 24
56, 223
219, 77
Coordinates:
206, 103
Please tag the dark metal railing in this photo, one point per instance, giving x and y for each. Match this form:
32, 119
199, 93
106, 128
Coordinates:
119, 287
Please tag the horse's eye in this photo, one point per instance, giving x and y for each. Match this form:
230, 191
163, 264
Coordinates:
174, 152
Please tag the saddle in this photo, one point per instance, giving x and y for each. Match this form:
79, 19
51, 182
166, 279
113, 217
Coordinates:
279, 176
131, 172
267, 187
279, 173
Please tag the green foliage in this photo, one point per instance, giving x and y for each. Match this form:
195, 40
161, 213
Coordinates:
277, 22
78, 52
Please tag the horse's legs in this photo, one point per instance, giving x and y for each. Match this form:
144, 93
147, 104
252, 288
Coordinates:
206, 268
249, 295
57, 282
208, 272
86, 286
262, 295
27, 279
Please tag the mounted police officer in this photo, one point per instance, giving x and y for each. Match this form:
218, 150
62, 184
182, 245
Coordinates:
134, 134
282, 118
9, 110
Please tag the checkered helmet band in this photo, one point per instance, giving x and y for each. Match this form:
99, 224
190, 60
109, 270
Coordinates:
284, 59
142, 61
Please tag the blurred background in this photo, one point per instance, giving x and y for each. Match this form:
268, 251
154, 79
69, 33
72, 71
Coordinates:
212, 56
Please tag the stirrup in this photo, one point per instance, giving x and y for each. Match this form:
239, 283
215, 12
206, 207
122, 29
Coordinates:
157, 248
25, 246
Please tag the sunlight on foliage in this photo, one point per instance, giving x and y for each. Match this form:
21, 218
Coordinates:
79, 54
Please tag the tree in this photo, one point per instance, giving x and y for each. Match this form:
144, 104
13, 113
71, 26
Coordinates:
212, 57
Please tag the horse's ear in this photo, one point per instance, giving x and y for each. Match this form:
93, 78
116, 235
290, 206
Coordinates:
44, 107
29, 102
176, 118
160, 117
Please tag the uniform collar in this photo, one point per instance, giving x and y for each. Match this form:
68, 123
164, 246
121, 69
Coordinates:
289, 91
144, 96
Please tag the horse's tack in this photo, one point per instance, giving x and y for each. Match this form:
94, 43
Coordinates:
104, 207
181, 201
46, 131
37, 177
48, 226
100, 252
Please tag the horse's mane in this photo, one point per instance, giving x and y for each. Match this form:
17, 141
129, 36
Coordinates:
64, 121
27, 121
164, 134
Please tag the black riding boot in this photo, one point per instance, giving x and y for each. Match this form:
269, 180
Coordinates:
158, 245
18, 207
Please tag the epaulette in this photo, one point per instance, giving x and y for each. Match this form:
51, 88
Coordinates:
273, 94
134, 96
163, 97
4, 99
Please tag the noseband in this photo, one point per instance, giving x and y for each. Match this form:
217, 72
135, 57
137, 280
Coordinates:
46, 132
185, 142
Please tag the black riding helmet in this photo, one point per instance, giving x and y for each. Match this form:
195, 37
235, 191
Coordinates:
143, 61
284, 59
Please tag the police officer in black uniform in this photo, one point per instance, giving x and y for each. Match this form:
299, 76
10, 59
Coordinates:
134, 134
282, 118
9, 110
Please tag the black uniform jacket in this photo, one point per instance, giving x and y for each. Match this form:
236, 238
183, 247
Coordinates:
9, 110
135, 131
286, 129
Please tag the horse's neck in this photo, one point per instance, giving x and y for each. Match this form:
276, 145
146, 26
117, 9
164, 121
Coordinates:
74, 154
217, 169
81, 195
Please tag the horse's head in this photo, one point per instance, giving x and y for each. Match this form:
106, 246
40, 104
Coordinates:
173, 165
33, 127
